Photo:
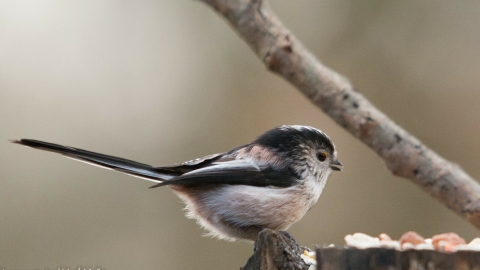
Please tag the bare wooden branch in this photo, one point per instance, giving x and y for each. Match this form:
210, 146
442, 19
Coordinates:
403, 154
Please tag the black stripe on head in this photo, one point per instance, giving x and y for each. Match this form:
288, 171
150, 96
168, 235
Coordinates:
286, 138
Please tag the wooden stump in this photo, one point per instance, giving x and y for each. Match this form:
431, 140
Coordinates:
277, 251
383, 258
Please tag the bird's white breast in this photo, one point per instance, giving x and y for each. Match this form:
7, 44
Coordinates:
241, 205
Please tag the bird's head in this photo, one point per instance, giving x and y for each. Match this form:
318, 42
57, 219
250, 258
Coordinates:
306, 148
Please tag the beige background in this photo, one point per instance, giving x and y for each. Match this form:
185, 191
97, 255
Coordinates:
165, 81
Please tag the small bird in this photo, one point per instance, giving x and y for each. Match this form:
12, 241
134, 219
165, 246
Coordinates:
268, 183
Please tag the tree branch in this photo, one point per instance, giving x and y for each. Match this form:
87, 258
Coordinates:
403, 154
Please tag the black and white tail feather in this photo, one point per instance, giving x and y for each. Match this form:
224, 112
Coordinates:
130, 167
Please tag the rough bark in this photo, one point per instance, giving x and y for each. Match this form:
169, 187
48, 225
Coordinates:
276, 251
403, 154
383, 259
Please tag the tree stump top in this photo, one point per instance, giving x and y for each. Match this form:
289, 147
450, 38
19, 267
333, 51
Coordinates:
277, 251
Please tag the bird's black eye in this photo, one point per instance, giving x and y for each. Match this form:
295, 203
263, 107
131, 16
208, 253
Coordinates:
321, 156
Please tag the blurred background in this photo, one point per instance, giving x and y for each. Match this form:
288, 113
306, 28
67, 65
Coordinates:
162, 82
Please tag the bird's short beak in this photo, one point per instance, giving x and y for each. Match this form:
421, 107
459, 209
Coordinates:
336, 165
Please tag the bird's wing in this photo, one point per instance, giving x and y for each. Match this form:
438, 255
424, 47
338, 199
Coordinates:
235, 172
133, 168
191, 165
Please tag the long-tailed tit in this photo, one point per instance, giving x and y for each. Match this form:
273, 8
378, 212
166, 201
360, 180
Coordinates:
268, 183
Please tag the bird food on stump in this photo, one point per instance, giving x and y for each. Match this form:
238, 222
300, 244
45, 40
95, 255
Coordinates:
412, 252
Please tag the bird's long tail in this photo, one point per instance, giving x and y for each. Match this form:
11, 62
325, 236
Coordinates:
133, 168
